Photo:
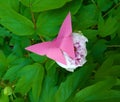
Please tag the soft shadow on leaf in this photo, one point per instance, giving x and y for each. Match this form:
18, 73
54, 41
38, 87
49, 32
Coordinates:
75, 80
100, 87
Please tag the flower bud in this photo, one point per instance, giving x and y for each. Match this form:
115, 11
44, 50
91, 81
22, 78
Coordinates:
7, 91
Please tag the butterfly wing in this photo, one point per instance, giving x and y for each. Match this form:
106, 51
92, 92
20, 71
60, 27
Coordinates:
64, 39
67, 46
63, 42
49, 49
66, 28
57, 55
40, 48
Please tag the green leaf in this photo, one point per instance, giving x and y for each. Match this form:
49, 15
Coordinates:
11, 58
48, 23
116, 1
38, 58
12, 72
107, 27
27, 81
104, 4
44, 5
3, 63
90, 34
4, 98
15, 22
1, 41
4, 32
109, 67
99, 87
99, 49
113, 71
86, 17
19, 100
14, 4
107, 96
37, 83
2, 58
49, 84
105, 66
75, 80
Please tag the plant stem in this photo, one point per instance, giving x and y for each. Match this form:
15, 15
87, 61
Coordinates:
111, 9
33, 17
113, 45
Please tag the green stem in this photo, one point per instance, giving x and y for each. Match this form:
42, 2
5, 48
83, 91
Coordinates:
111, 9
113, 45
33, 17
41, 38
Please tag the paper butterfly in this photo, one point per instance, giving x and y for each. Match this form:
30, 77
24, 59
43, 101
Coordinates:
62, 43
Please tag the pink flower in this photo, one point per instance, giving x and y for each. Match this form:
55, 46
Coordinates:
79, 41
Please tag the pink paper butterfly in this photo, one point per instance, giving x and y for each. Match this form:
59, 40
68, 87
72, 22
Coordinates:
62, 43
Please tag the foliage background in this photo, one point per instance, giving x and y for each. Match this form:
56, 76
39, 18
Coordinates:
26, 77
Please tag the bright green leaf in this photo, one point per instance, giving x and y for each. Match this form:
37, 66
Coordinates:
4, 98
27, 76
107, 96
3, 63
86, 17
19, 100
38, 58
15, 22
48, 23
43, 5
37, 83
49, 84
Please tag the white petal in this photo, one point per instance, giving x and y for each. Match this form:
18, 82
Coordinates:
79, 41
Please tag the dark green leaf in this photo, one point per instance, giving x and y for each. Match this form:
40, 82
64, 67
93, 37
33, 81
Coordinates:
75, 80
109, 67
104, 4
107, 27
99, 87
90, 34
99, 49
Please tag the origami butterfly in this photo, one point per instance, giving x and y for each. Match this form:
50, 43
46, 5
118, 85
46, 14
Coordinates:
62, 43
